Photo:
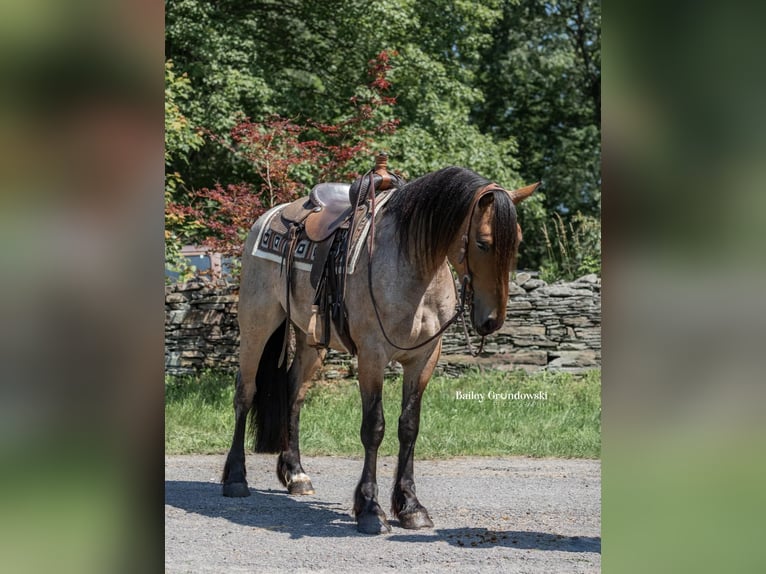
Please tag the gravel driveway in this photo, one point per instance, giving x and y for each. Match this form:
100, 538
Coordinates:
490, 515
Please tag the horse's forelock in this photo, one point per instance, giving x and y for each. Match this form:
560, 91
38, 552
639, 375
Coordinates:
504, 235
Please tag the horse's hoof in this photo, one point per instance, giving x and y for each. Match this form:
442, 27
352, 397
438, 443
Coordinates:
300, 485
371, 523
236, 489
415, 519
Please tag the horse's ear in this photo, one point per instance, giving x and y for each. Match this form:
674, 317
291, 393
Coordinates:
520, 195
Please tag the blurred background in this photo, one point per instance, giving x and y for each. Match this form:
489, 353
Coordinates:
81, 315
83, 104
684, 277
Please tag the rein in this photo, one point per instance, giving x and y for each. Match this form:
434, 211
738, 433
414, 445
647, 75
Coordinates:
465, 282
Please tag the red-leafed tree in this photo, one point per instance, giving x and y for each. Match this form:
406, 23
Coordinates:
288, 157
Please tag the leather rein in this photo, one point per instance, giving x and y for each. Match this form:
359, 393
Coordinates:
465, 282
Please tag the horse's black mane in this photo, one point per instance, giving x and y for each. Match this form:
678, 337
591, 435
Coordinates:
430, 210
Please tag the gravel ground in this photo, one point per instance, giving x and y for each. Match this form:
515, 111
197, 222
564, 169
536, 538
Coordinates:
490, 515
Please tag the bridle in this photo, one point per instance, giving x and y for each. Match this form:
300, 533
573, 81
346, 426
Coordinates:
467, 278
465, 281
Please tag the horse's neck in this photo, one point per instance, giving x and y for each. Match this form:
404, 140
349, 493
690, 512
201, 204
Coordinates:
456, 256
388, 241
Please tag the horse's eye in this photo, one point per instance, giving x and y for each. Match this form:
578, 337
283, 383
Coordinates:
482, 245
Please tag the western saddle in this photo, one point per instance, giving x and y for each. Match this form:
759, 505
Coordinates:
327, 218
323, 212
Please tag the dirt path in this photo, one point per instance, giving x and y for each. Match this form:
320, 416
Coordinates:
490, 515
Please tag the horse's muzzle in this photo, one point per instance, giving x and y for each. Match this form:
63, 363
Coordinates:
488, 326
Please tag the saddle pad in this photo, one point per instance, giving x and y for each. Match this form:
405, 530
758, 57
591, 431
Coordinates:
272, 242
273, 238
359, 238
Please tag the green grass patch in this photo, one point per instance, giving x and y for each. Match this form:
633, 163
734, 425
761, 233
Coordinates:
199, 413
565, 423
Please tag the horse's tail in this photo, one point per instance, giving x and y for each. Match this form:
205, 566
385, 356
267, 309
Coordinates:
268, 415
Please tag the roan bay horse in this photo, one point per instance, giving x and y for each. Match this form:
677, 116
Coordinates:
449, 217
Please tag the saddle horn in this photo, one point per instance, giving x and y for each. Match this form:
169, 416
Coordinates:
382, 180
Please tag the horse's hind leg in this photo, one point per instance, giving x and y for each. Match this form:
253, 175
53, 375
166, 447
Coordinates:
370, 517
404, 503
256, 330
307, 360
234, 481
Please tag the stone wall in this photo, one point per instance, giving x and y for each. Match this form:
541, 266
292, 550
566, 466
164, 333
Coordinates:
553, 327
201, 329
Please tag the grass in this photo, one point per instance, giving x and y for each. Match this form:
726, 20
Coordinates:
199, 416
574, 250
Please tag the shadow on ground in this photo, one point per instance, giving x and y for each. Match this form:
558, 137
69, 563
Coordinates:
276, 511
483, 538
273, 510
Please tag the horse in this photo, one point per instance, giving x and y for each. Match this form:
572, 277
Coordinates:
399, 298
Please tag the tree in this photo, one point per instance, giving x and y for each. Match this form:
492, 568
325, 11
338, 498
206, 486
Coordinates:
216, 45
305, 59
181, 139
510, 89
542, 83
288, 157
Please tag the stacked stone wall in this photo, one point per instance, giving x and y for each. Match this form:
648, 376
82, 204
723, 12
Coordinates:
547, 327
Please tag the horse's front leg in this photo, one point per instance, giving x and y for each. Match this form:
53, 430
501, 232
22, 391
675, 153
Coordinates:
370, 517
289, 469
404, 503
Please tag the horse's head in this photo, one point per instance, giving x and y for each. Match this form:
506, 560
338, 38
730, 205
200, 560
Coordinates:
490, 245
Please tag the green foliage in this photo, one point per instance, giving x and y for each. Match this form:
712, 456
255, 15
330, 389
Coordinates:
216, 44
542, 81
317, 61
181, 139
510, 89
434, 82
199, 416
573, 249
